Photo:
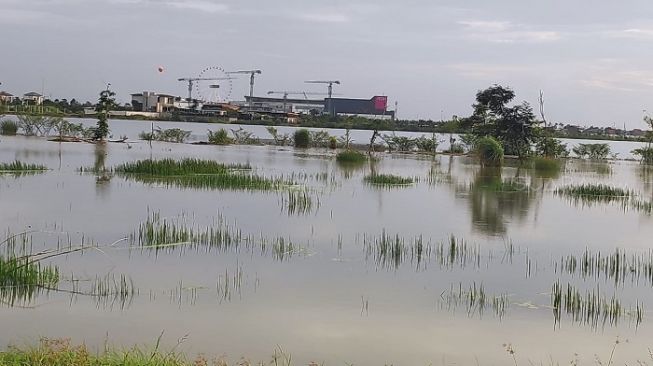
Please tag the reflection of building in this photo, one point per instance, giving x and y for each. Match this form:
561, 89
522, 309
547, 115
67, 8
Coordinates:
152, 102
32, 98
6, 97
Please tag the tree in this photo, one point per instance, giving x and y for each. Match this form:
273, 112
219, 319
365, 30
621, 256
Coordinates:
105, 104
515, 127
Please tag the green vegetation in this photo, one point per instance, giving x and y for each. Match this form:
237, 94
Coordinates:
645, 154
279, 139
220, 137
302, 138
455, 148
617, 266
490, 151
170, 135
596, 190
592, 151
551, 148
244, 137
546, 164
297, 202
475, 299
351, 157
21, 279
18, 166
106, 103
388, 180
195, 173
515, 128
8, 128
333, 142
58, 352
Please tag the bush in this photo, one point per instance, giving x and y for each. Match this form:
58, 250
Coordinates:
220, 137
8, 128
544, 164
551, 148
169, 135
455, 148
645, 153
592, 151
490, 151
333, 143
426, 144
320, 138
302, 138
351, 156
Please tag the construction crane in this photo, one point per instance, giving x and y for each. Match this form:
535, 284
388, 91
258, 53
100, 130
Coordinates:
330, 89
191, 81
286, 93
252, 74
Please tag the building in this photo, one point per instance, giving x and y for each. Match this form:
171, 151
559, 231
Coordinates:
6, 98
152, 102
283, 105
32, 98
375, 107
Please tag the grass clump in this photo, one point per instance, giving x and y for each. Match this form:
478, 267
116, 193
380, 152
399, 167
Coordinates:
18, 166
302, 138
592, 151
351, 156
170, 135
388, 179
171, 167
61, 352
8, 128
21, 279
596, 190
490, 151
195, 173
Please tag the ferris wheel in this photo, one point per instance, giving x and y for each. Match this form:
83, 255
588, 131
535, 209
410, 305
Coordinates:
213, 85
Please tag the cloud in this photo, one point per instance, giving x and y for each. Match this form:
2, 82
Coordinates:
505, 32
486, 71
639, 33
201, 5
616, 75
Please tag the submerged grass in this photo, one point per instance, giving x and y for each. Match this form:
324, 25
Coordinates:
475, 299
617, 266
21, 280
389, 180
195, 173
351, 157
298, 202
591, 308
594, 190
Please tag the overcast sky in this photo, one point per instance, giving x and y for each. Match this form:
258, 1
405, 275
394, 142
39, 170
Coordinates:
592, 58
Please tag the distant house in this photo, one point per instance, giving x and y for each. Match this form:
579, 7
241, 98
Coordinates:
637, 132
32, 98
6, 97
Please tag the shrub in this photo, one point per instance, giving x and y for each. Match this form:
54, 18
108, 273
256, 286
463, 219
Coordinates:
220, 137
490, 151
544, 164
302, 138
399, 143
351, 156
455, 148
319, 138
645, 153
333, 143
592, 151
551, 148
426, 144
244, 137
279, 139
8, 128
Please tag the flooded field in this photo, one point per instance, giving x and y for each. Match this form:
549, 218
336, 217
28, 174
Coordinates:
457, 265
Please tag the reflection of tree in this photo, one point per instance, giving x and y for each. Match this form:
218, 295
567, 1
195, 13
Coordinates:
494, 201
102, 176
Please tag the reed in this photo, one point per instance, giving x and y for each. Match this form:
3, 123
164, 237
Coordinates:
388, 180
171, 167
21, 280
298, 202
594, 190
617, 266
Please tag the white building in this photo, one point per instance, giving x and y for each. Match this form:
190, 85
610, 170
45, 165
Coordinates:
32, 98
152, 102
6, 98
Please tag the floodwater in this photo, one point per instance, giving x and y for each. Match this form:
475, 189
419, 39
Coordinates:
333, 295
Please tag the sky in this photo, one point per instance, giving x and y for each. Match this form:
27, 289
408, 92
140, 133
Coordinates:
591, 58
